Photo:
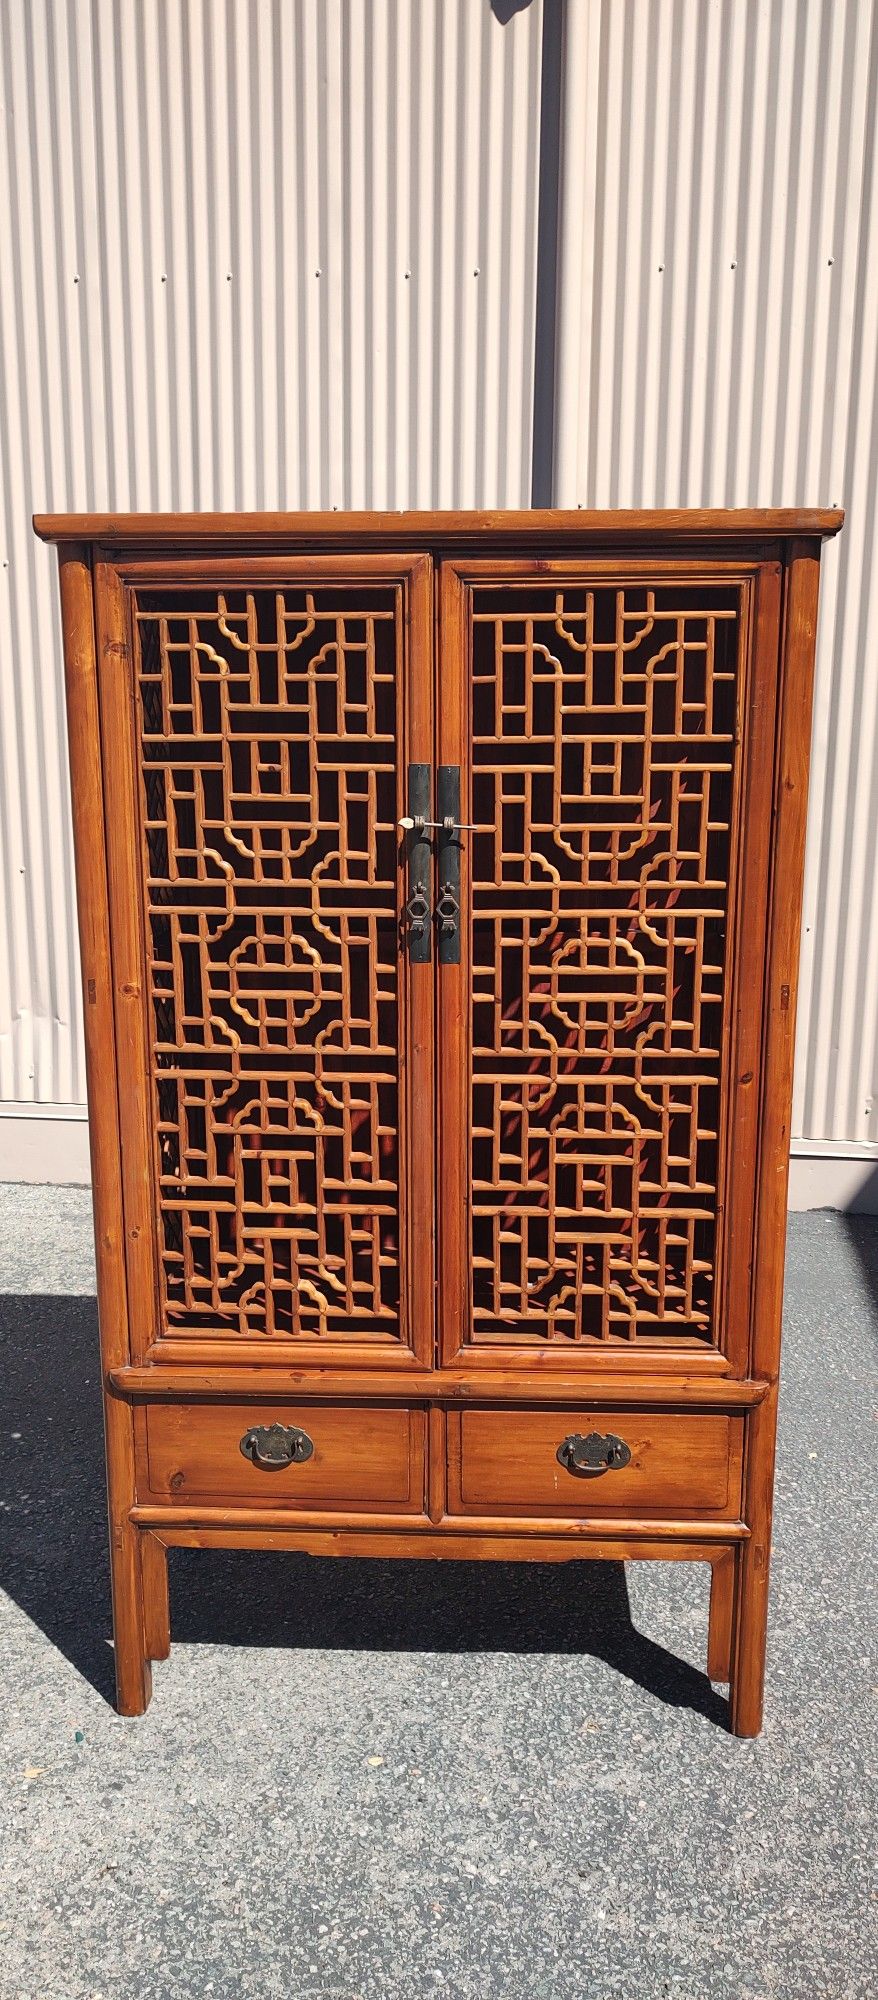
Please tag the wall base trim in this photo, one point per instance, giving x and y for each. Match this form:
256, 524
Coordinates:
833, 1180
51, 1148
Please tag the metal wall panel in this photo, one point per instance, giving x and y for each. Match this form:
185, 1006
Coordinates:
266, 253
718, 346
259, 253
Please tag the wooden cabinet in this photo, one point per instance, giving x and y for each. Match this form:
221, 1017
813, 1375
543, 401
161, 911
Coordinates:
439, 883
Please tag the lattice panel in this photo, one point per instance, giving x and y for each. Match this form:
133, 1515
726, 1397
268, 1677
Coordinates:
604, 726
269, 748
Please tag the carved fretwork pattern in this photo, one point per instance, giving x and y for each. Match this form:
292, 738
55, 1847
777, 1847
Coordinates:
603, 781
269, 751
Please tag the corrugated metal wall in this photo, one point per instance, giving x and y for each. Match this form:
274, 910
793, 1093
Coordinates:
304, 253
718, 347
269, 253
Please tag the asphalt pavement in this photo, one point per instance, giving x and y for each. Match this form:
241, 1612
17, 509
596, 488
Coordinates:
363, 1780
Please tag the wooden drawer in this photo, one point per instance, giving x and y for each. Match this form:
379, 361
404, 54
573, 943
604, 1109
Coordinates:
363, 1457
505, 1462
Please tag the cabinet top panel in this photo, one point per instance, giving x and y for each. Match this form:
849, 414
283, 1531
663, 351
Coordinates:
581, 526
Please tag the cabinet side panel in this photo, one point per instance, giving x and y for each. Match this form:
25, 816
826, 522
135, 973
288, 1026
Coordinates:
748, 920
128, 958
84, 736
784, 927
784, 931
84, 744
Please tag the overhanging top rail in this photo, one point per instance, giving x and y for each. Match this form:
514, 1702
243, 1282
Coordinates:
593, 527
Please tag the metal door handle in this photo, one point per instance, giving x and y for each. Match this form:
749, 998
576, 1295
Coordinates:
450, 824
418, 912
417, 829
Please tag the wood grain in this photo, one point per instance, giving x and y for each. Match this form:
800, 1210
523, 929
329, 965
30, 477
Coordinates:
364, 1455
614, 527
600, 1541
722, 1605
506, 1462
587, 1388
133, 1684
156, 1604
790, 795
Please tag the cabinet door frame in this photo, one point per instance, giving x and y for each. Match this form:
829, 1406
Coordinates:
759, 642
114, 579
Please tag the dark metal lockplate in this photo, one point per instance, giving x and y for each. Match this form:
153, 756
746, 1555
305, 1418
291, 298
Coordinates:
448, 860
418, 913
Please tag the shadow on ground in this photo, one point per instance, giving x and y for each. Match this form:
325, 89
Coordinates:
862, 1232
53, 1553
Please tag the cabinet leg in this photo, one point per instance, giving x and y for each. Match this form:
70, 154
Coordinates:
133, 1675
749, 1623
156, 1608
719, 1631
752, 1557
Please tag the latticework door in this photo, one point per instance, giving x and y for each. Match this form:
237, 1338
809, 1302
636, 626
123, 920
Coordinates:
596, 721
288, 1047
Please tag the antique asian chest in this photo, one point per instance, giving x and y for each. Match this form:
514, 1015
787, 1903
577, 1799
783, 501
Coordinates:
439, 881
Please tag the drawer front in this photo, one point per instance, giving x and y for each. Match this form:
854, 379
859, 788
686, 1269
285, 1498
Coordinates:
506, 1462
354, 1457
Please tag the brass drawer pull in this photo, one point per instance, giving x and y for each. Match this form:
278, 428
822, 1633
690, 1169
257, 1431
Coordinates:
593, 1454
274, 1445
